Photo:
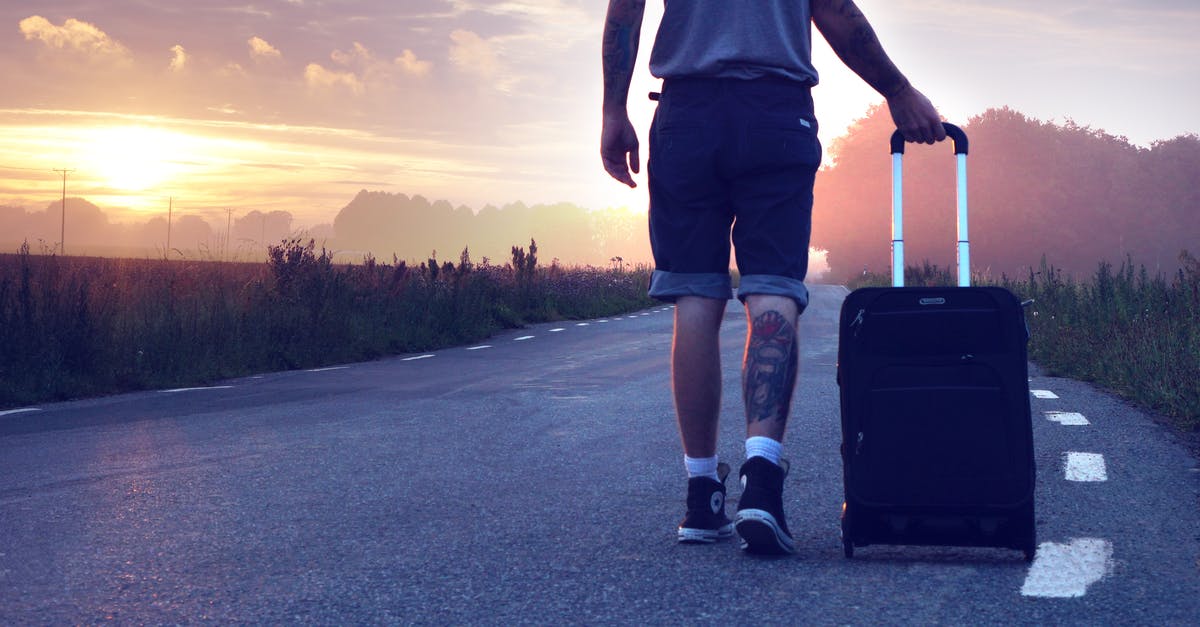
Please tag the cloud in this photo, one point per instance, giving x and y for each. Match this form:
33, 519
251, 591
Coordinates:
73, 35
473, 54
260, 49
411, 65
231, 69
318, 76
358, 54
179, 59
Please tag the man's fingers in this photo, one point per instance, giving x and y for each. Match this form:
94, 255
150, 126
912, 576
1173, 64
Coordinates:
635, 162
617, 169
939, 132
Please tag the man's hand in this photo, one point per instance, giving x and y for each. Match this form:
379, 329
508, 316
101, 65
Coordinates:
915, 116
619, 147
853, 39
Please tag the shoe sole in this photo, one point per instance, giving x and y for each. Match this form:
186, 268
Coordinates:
689, 535
760, 533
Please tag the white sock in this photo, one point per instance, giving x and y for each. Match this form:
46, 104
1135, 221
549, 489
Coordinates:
764, 447
701, 467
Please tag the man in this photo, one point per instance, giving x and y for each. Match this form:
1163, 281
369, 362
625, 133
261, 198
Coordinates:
733, 147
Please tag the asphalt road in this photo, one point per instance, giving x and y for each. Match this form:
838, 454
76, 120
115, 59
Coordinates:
539, 480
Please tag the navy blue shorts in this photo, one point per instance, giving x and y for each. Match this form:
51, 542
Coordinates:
732, 160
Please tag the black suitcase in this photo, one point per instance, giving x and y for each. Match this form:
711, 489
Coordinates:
937, 437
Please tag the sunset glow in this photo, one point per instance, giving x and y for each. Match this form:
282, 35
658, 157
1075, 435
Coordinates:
134, 158
298, 106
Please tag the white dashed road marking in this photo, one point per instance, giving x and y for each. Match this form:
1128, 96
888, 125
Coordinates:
1085, 467
418, 357
558, 330
329, 368
1044, 394
176, 390
1069, 418
19, 411
523, 338
479, 348
1066, 570
582, 324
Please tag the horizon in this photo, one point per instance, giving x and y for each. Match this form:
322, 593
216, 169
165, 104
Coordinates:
295, 108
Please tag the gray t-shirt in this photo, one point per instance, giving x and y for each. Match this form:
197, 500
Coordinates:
743, 39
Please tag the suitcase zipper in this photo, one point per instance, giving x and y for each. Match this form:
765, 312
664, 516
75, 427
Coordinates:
858, 322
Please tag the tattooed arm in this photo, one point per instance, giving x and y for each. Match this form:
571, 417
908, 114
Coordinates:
618, 139
853, 39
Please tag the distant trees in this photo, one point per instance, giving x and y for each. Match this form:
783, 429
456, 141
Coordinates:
412, 226
1076, 194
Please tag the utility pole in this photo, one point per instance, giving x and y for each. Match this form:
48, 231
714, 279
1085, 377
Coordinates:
170, 209
62, 237
228, 231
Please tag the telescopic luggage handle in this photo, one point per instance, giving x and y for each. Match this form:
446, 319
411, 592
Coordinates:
964, 246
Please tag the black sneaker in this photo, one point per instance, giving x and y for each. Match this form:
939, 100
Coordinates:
705, 521
760, 522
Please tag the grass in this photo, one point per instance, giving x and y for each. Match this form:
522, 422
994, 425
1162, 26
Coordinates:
1135, 334
1127, 331
77, 326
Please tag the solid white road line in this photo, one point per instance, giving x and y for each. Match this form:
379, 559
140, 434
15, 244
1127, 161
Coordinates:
26, 410
1085, 467
416, 358
1068, 418
176, 390
1066, 570
1043, 394
523, 338
480, 347
329, 368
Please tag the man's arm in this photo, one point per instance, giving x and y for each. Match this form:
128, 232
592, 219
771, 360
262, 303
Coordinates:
618, 139
853, 39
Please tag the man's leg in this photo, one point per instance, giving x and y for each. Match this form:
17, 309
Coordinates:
770, 365
696, 372
696, 383
768, 379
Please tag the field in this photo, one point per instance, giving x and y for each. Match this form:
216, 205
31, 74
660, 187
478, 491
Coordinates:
80, 326
1123, 329
83, 326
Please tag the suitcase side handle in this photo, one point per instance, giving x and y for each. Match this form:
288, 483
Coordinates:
964, 243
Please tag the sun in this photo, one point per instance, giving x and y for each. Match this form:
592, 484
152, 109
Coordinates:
133, 158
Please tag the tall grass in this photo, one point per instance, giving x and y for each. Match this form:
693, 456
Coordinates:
72, 326
1135, 334
1123, 329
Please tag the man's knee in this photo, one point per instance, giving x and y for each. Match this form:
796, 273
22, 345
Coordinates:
698, 313
758, 304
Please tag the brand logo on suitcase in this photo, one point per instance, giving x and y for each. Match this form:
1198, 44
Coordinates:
932, 301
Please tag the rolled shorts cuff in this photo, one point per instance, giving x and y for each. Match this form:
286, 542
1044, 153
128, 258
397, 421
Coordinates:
773, 285
669, 286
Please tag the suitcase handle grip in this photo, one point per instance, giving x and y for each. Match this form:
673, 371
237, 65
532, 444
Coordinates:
964, 243
953, 132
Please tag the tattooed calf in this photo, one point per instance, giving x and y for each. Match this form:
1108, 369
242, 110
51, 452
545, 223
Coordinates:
769, 373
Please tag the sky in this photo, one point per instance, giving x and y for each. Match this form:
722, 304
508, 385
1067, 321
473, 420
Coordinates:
297, 105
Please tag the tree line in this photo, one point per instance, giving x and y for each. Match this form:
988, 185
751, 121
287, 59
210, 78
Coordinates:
1072, 193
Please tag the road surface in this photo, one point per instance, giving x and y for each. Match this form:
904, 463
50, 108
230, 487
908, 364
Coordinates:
537, 478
